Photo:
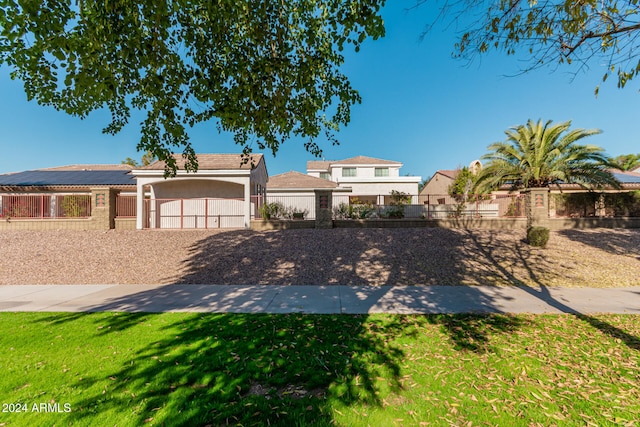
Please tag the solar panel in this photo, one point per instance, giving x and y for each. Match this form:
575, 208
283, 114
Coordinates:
50, 178
627, 178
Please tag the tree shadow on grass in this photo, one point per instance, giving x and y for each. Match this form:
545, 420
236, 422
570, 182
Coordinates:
244, 369
252, 369
544, 294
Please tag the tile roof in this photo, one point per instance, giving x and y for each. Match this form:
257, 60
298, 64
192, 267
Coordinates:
211, 162
449, 173
324, 165
364, 160
295, 179
318, 165
49, 178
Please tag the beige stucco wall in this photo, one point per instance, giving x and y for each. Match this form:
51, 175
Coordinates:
125, 223
52, 224
438, 184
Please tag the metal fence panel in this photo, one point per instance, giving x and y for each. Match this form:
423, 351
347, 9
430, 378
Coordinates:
45, 206
194, 213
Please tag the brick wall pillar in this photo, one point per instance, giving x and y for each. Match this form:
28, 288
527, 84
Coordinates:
324, 202
103, 208
537, 205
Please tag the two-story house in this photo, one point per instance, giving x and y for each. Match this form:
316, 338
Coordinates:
370, 180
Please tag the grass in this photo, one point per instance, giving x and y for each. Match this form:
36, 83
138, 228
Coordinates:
229, 369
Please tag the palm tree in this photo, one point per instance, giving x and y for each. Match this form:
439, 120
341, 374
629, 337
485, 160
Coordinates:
539, 155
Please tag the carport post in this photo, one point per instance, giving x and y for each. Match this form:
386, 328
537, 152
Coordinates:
139, 205
247, 203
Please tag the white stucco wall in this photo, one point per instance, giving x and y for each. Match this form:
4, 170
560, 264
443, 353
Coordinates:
194, 188
380, 188
301, 200
233, 186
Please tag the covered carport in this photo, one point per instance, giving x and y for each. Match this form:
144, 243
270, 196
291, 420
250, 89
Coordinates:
218, 195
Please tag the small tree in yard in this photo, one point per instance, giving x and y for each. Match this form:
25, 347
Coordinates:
398, 202
462, 184
460, 188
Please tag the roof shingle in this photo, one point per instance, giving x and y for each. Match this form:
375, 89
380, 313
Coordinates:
211, 162
295, 179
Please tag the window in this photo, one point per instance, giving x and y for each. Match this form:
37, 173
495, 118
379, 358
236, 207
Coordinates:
348, 171
325, 175
382, 172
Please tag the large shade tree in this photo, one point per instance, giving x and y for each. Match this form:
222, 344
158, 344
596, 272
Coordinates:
588, 33
264, 70
542, 154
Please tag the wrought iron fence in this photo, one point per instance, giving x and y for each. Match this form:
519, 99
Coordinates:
592, 204
398, 205
126, 206
45, 206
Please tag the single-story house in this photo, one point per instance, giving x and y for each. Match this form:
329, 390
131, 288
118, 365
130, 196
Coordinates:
72, 193
295, 192
439, 183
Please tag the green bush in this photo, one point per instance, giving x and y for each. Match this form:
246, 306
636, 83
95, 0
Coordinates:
397, 204
272, 210
538, 236
357, 210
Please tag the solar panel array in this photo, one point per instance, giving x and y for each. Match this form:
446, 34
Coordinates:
84, 178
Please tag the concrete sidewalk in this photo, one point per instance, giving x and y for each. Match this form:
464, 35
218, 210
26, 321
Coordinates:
317, 299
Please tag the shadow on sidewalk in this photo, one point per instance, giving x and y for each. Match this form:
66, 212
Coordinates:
543, 294
244, 368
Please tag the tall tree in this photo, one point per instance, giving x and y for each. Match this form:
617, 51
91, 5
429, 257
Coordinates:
146, 160
627, 162
265, 70
541, 154
603, 32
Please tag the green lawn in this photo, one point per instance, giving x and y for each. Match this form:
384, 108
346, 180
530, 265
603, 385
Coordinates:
217, 369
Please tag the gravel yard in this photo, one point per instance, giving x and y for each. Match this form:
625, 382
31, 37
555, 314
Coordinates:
426, 256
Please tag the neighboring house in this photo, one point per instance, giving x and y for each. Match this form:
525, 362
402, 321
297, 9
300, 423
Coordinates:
370, 180
65, 192
219, 194
439, 183
442, 179
295, 191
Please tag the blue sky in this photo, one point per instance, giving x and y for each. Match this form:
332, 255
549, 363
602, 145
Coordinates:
420, 107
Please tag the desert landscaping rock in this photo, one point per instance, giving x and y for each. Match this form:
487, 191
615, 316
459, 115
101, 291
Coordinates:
428, 256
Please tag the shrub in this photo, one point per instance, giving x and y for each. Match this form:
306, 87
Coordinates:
398, 201
292, 212
272, 210
538, 236
354, 211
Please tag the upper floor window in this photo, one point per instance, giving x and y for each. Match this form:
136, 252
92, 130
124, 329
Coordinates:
348, 171
382, 172
325, 175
